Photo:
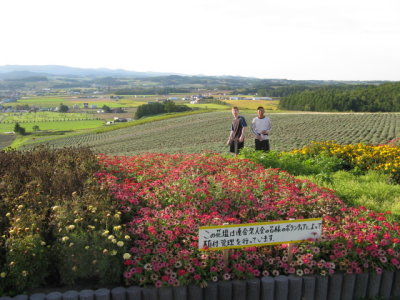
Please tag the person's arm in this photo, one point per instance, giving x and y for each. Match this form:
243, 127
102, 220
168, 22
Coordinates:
244, 125
241, 138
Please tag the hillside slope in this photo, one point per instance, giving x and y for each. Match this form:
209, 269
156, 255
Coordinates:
196, 133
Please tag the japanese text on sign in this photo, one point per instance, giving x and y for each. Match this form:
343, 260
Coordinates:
259, 234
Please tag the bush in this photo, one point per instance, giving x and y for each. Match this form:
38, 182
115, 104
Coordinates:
295, 164
19, 130
358, 157
46, 195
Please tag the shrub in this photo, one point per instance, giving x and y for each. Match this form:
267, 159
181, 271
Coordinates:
360, 157
44, 193
294, 163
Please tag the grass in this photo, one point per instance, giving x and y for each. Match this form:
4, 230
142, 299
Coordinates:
41, 116
253, 104
149, 120
373, 190
55, 125
209, 106
52, 130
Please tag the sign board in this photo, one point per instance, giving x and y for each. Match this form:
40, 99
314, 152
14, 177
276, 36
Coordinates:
258, 234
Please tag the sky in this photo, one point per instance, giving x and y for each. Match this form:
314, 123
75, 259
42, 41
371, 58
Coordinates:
286, 39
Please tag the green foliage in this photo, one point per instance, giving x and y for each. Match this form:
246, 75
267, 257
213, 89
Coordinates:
48, 197
63, 108
155, 108
295, 164
89, 240
35, 128
27, 262
106, 108
373, 98
18, 129
373, 190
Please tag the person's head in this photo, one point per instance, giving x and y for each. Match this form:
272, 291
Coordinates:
235, 111
260, 112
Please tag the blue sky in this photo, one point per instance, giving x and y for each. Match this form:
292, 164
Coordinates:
309, 39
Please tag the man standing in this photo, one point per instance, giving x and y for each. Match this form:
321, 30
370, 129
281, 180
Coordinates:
261, 127
236, 137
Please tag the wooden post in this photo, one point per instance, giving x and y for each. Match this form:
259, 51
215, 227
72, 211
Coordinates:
226, 252
290, 253
290, 249
226, 256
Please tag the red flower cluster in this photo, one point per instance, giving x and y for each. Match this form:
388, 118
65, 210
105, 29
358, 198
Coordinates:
165, 198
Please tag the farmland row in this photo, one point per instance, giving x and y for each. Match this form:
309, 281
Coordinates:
196, 133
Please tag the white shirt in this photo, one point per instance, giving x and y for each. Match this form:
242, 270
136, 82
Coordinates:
259, 125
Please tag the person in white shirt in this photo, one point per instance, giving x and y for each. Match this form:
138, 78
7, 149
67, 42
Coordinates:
261, 127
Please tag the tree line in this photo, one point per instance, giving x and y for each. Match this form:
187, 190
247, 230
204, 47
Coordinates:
155, 108
369, 98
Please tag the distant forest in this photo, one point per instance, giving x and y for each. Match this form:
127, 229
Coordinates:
370, 98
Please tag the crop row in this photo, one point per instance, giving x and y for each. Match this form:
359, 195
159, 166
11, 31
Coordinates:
196, 133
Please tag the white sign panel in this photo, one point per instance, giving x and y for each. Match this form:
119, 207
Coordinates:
259, 234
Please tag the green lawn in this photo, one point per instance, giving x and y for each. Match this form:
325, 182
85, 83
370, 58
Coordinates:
55, 125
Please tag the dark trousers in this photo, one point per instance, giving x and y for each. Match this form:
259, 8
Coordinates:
262, 145
235, 146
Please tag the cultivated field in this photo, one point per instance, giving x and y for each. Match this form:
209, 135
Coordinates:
209, 132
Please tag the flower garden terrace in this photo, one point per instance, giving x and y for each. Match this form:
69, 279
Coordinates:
164, 199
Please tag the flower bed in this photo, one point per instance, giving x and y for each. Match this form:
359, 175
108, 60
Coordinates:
165, 198
136, 220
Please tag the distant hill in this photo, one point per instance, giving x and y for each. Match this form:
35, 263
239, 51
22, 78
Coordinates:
20, 71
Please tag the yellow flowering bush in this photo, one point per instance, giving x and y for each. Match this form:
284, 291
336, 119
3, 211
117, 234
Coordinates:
52, 216
90, 241
385, 157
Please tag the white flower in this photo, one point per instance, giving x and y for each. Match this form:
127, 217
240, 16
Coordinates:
126, 256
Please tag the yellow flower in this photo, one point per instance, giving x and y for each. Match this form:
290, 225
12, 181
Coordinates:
24, 273
3, 274
120, 243
126, 256
114, 252
127, 237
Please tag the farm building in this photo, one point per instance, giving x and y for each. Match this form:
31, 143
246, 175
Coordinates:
261, 98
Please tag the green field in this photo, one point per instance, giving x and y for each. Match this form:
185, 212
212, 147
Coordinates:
43, 116
209, 132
